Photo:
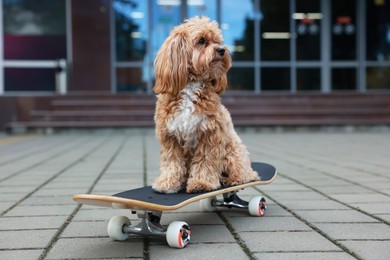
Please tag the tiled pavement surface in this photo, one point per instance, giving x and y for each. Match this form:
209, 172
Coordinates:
331, 199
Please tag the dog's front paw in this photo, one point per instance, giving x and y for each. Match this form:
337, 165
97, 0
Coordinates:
240, 179
194, 186
164, 186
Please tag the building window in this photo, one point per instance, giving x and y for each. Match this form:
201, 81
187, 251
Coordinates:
307, 29
378, 78
275, 79
202, 8
131, 30
34, 33
344, 79
166, 15
131, 48
343, 29
241, 79
29, 79
378, 30
238, 29
377, 44
309, 79
34, 30
275, 30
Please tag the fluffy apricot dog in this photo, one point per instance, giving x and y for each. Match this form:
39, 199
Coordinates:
200, 150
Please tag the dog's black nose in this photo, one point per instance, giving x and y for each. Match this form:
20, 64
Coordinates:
221, 51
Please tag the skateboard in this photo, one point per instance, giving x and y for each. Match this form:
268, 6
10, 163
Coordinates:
149, 206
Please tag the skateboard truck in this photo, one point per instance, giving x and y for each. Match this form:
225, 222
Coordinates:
149, 225
231, 200
177, 234
256, 205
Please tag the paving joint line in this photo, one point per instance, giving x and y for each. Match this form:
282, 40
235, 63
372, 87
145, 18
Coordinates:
21, 249
41, 162
338, 164
72, 215
236, 236
343, 179
335, 200
45, 183
299, 251
28, 153
327, 196
342, 247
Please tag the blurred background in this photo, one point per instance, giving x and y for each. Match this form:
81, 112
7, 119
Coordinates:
89, 63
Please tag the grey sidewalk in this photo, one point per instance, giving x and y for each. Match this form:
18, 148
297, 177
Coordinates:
331, 199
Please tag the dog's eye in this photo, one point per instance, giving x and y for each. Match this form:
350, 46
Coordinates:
202, 41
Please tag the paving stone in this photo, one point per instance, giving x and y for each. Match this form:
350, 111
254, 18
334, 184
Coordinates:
361, 198
198, 251
296, 195
52, 200
304, 256
290, 187
273, 210
203, 218
355, 230
345, 189
286, 242
27, 239
211, 234
88, 213
86, 229
52, 210
373, 208
60, 192
386, 191
385, 217
5, 205
369, 249
94, 248
17, 189
314, 216
11, 197
314, 205
381, 185
24, 223
267, 224
21, 254
325, 181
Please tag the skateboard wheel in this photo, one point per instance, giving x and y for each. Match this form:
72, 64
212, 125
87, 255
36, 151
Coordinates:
207, 205
257, 206
178, 234
115, 228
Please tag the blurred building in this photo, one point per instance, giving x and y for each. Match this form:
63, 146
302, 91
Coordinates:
286, 49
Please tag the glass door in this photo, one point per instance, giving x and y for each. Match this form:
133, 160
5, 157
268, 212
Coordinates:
130, 55
343, 29
307, 25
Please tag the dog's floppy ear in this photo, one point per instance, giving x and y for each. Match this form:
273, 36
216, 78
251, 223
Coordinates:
171, 65
220, 84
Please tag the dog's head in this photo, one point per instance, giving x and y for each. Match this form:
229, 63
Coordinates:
193, 52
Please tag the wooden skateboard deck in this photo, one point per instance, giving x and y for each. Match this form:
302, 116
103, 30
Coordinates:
146, 199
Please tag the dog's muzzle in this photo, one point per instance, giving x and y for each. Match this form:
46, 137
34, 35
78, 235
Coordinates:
221, 51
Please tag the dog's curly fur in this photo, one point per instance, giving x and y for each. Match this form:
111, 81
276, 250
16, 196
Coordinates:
200, 149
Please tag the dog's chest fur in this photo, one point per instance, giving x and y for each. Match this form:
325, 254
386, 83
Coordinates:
185, 122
